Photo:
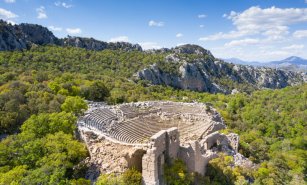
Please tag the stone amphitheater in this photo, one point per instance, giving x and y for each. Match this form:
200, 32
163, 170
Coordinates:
146, 135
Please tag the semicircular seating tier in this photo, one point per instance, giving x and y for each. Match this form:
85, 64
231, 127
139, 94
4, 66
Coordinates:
135, 123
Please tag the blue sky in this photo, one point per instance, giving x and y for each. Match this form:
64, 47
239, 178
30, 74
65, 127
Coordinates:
260, 30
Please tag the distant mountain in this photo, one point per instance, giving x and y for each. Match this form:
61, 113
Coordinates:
292, 63
242, 62
293, 60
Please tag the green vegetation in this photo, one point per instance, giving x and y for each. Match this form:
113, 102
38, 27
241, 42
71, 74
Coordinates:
177, 174
169, 67
42, 90
44, 152
222, 171
74, 104
129, 177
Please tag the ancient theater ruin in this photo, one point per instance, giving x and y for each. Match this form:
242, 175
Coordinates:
146, 135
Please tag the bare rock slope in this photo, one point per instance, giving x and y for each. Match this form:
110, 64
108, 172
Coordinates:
194, 68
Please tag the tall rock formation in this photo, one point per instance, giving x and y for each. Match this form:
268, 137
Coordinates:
18, 37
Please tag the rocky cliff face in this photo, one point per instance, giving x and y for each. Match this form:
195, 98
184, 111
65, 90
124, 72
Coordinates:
23, 36
18, 37
37, 34
93, 44
202, 72
87, 43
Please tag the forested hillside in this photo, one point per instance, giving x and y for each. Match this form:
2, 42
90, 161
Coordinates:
43, 90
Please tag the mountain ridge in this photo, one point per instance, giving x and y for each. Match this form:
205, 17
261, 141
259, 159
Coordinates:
292, 63
24, 35
185, 67
208, 74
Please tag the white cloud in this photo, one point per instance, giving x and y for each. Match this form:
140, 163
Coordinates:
63, 4
181, 44
155, 23
178, 35
9, 1
278, 30
267, 19
149, 45
73, 31
221, 35
278, 53
201, 16
41, 13
241, 42
11, 22
53, 28
119, 39
201, 26
271, 22
294, 47
6, 14
300, 34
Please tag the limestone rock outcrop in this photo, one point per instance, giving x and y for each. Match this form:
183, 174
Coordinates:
191, 49
93, 44
206, 74
18, 37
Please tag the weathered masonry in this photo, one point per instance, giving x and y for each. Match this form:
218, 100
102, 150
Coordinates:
146, 135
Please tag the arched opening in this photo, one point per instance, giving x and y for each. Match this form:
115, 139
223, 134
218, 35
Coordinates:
214, 145
134, 159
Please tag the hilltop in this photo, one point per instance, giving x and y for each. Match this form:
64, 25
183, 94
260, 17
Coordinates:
184, 67
24, 36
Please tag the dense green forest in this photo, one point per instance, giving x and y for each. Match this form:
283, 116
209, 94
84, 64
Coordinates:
43, 90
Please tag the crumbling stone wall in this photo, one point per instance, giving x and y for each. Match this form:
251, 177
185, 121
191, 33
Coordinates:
195, 157
163, 147
233, 141
153, 160
210, 140
216, 138
172, 144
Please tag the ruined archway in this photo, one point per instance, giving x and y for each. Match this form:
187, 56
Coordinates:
134, 159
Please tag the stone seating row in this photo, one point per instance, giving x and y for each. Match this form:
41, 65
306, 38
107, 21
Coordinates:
139, 129
99, 118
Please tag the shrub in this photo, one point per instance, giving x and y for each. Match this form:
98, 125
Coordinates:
108, 179
177, 173
74, 104
132, 177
